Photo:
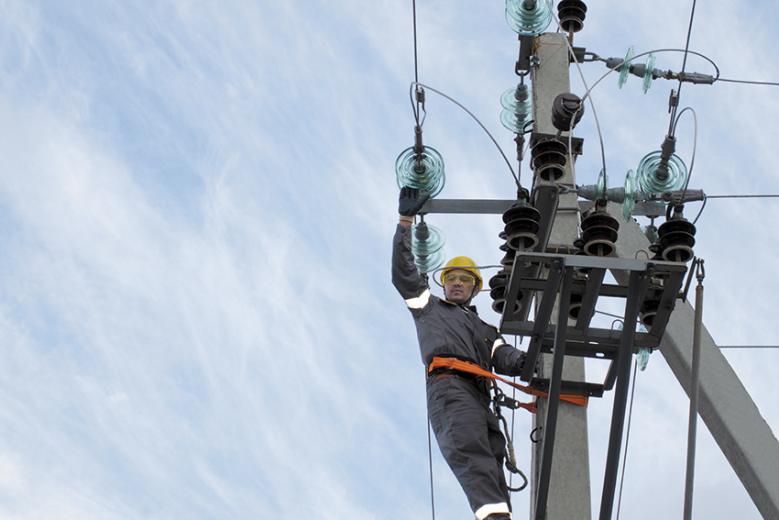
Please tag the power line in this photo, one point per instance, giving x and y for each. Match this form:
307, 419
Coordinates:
741, 196
747, 82
749, 346
684, 64
416, 66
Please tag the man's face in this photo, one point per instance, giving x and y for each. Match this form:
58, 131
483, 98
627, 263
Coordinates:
460, 286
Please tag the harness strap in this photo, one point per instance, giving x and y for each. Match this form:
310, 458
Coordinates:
473, 368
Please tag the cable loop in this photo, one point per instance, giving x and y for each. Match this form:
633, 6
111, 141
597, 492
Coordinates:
508, 163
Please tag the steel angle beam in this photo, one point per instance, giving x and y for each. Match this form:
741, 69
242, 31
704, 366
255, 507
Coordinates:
520, 271
590, 298
671, 285
594, 340
645, 209
543, 315
638, 286
523, 279
582, 340
467, 206
568, 387
639, 281
555, 386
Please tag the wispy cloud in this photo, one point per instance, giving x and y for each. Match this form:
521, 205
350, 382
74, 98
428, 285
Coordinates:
196, 204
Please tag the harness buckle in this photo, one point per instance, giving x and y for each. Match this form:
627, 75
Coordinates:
504, 400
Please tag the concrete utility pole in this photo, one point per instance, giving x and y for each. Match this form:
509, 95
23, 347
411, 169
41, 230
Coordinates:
725, 406
569, 485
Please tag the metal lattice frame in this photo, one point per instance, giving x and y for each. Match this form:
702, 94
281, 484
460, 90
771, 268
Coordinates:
564, 278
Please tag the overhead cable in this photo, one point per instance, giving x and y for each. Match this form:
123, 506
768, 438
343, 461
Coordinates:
770, 83
684, 64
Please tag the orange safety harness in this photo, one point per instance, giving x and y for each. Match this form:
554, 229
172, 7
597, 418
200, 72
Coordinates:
473, 368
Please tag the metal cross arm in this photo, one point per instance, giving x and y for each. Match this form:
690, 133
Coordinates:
583, 276
660, 287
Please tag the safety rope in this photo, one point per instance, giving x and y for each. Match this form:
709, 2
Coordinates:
472, 368
511, 459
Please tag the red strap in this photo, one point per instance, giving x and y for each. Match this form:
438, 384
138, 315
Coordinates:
472, 368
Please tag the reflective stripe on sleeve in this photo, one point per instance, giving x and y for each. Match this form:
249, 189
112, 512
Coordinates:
498, 343
488, 509
420, 301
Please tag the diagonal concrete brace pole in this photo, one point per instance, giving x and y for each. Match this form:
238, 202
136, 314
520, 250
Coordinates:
725, 406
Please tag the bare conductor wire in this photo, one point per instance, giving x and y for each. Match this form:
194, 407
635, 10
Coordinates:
684, 63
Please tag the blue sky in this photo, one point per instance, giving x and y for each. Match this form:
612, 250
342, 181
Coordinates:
196, 208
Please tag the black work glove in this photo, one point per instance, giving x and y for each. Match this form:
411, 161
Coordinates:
410, 202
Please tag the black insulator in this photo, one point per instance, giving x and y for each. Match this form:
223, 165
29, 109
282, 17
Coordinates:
521, 226
567, 111
521, 210
498, 292
522, 234
571, 14
549, 159
599, 232
499, 305
499, 280
508, 258
651, 304
648, 311
575, 306
676, 239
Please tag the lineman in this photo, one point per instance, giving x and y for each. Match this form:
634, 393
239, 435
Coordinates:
467, 431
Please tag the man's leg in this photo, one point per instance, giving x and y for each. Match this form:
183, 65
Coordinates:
460, 417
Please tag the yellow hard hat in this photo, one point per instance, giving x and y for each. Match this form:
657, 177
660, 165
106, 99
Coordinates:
462, 262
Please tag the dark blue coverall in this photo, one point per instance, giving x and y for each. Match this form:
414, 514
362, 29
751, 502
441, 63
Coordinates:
467, 431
